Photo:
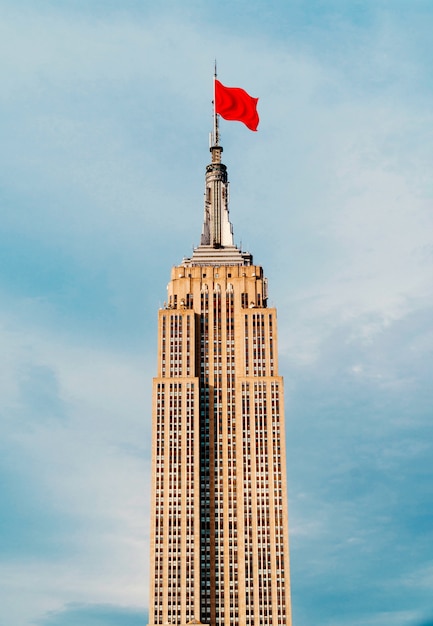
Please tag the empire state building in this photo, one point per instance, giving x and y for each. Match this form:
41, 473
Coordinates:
219, 529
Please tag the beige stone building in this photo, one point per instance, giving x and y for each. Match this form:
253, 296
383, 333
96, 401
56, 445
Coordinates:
219, 533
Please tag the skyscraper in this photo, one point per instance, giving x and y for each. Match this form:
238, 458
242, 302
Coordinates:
219, 532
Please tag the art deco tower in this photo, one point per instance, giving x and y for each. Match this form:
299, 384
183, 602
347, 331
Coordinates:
219, 533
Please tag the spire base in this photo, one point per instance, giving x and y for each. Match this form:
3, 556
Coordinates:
224, 255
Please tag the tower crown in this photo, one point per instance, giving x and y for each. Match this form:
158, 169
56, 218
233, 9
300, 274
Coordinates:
217, 229
216, 244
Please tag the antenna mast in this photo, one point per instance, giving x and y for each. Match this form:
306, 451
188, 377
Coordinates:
215, 115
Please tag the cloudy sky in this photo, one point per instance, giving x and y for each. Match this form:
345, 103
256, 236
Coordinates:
105, 114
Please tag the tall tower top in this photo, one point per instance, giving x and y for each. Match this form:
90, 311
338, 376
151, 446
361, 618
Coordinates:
216, 244
217, 229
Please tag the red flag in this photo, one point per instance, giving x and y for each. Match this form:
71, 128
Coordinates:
234, 104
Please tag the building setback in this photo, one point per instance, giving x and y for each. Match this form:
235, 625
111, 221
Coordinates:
219, 531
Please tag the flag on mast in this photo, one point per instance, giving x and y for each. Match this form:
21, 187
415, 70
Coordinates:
236, 105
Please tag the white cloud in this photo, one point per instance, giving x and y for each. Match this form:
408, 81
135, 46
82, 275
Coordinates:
89, 469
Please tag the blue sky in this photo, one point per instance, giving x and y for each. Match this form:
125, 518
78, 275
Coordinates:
105, 110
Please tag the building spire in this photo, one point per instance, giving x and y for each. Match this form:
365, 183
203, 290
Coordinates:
217, 229
216, 243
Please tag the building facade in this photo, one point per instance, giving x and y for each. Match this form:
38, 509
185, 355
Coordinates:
219, 529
